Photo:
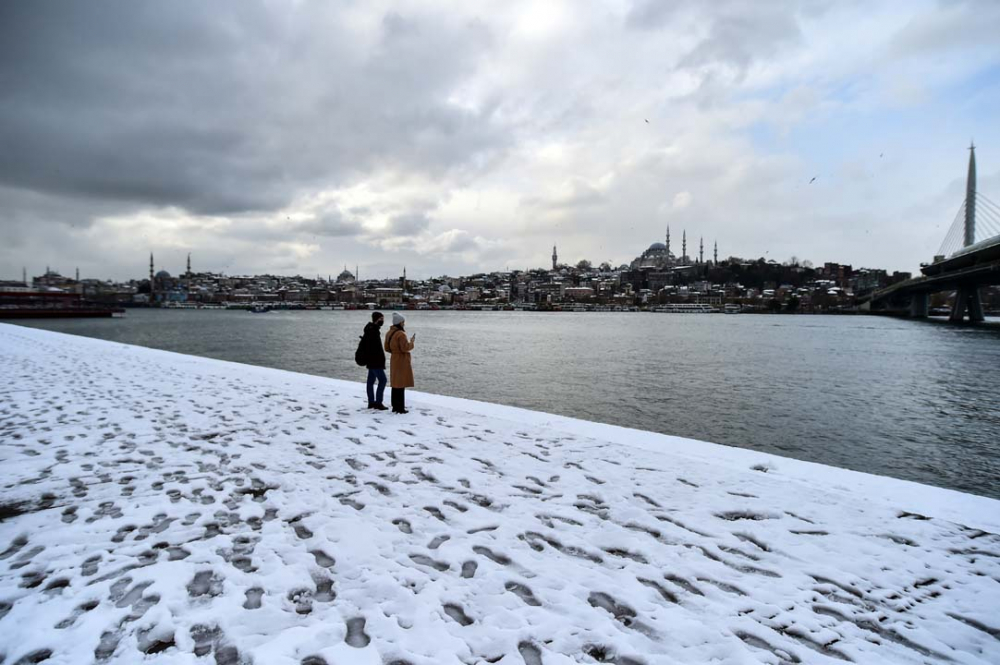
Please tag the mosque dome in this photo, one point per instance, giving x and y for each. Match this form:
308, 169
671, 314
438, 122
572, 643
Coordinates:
656, 247
163, 274
345, 276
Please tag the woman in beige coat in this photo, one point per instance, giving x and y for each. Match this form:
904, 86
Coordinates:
400, 370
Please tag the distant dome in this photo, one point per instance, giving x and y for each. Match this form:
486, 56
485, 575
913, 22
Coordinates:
345, 276
163, 274
656, 247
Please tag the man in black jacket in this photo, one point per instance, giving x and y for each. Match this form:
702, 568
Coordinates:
372, 343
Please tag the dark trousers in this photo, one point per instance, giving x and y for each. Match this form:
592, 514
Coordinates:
376, 375
398, 397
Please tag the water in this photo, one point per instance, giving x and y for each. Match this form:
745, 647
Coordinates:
911, 399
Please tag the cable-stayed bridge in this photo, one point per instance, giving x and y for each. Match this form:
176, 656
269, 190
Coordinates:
969, 258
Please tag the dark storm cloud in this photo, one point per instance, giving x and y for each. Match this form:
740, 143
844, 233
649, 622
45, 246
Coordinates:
330, 224
739, 37
735, 33
410, 224
225, 107
968, 24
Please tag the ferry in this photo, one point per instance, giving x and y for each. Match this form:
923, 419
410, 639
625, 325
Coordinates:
686, 308
51, 305
732, 308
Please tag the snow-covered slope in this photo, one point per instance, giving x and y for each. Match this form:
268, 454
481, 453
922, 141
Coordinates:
165, 508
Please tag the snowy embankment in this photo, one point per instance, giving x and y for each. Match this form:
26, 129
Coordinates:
177, 509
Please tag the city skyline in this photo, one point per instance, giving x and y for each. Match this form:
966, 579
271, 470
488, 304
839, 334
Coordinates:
451, 142
152, 266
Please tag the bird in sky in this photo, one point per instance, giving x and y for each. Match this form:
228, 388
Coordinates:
647, 121
813, 180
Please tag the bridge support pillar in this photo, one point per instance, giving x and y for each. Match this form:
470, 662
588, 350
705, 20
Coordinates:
919, 305
967, 302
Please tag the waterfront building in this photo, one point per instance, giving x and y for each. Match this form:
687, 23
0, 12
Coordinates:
579, 293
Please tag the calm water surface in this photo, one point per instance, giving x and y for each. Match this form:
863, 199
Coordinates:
910, 399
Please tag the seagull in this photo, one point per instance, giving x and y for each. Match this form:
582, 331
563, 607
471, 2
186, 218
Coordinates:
880, 155
647, 121
813, 180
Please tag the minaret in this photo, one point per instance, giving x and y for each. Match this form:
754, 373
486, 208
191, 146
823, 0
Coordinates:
715, 254
152, 288
404, 279
356, 273
24, 276
78, 274
189, 264
668, 241
970, 199
684, 246
555, 257
701, 250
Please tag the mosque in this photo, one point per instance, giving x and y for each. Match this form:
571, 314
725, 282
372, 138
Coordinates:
657, 266
659, 256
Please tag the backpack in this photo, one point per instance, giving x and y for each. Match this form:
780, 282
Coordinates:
360, 357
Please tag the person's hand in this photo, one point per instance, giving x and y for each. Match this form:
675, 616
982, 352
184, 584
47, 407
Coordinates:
413, 338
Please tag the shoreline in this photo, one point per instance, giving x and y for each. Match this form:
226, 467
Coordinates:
925, 495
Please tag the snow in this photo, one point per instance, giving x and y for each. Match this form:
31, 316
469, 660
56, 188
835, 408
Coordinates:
165, 508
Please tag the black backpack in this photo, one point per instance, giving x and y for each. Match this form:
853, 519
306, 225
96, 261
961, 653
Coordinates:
360, 357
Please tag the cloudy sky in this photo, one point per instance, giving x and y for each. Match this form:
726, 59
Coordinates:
452, 137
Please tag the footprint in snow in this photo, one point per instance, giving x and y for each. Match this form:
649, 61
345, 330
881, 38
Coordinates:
356, 635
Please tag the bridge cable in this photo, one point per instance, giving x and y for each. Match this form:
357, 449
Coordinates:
986, 204
988, 208
987, 225
955, 232
988, 215
953, 238
985, 199
991, 212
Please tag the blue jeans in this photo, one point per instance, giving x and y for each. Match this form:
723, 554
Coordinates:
373, 375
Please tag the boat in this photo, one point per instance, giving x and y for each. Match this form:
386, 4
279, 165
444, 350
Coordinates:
686, 308
732, 308
260, 309
51, 305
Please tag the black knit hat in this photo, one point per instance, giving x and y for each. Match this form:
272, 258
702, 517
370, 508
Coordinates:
376, 315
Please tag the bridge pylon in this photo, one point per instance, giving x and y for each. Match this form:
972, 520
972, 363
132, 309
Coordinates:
967, 300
